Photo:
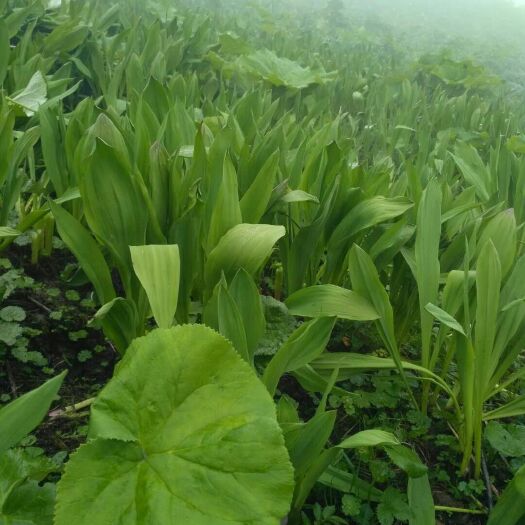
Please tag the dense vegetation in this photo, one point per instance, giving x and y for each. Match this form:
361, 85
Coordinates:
262, 263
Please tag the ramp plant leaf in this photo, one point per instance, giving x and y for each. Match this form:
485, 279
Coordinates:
22, 415
510, 508
86, 250
244, 246
158, 270
183, 434
33, 95
328, 300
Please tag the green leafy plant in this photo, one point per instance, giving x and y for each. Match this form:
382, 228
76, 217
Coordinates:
22, 497
189, 422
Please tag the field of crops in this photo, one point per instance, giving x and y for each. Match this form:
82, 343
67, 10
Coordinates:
261, 263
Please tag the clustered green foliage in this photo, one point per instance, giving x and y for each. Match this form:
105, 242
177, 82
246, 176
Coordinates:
195, 161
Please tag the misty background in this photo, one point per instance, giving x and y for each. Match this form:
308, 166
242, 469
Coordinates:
491, 33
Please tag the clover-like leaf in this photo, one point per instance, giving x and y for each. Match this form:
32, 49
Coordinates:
12, 313
185, 433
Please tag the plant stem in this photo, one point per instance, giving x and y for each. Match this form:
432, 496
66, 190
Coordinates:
488, 484
71, 410
440, 508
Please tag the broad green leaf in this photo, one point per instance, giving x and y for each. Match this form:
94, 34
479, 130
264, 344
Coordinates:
305, 344
510, 508
32, 96
226, 211
366, 282
54, 158
510, 319
86, 250
245, 246
5, 50
298, 196
114, 206
183, 433
328, 300
502, 231
305, 483
280, 71
248, 300
255, 201
24, 499
29, 504
366, 214
445, 318
306, 441
158, 270
231, 323
488, 282
21, 416
391, 241
420, 501
474, 170
65, 37
428, 235
369, 438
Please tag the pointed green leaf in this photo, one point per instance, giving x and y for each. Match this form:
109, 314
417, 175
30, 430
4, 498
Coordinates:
245, 246
502, 231
305, 344
366, 214
306, 441
328, 300
4, 51
427, 259
488, 283
510, 508
445, 318
257, 197
248, 300
231, 324
369, 438
226, 212
420, 501
513, 408
474, 170
21, 416
86, 250
114, 206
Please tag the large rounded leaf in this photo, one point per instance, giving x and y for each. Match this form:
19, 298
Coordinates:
185, 433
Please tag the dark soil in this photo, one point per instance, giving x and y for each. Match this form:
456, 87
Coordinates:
56, 343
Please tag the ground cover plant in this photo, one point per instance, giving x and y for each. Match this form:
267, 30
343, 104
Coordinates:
261, 263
